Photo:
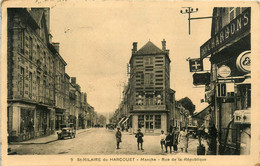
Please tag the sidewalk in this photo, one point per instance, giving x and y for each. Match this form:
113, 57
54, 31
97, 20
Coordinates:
45, 140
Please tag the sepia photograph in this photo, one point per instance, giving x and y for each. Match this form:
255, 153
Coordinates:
128, 81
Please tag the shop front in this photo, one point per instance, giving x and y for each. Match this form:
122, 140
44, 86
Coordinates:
230, 50
149, 122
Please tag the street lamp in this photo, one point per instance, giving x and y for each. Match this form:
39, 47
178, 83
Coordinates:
189, 10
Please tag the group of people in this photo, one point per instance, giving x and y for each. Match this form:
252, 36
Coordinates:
174, 138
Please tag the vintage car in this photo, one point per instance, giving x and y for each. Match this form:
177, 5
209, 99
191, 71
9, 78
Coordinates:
66, 130
193, 131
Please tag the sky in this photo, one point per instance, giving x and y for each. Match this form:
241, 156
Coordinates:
96, 41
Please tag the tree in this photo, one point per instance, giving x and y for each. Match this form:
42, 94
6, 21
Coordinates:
102, 119
187, 104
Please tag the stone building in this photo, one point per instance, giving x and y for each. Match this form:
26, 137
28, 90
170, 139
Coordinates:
31, 74
150, 98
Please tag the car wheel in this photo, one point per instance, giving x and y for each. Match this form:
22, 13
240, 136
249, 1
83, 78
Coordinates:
74, 135
70, 136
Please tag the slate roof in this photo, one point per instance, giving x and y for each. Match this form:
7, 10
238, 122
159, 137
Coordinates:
149, 48
37, 13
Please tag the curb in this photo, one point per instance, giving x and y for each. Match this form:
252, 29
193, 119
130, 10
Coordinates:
33, 143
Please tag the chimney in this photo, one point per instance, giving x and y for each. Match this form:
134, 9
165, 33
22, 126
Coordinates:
134, 47
164, 45
73, 80
56, 46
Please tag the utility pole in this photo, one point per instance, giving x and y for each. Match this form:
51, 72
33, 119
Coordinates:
190, 10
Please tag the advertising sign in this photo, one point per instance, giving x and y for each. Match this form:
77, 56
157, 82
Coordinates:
227, 34
243, 62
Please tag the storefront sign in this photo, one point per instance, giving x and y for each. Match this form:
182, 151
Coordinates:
224, 71
243, 62
228, 33
201, 78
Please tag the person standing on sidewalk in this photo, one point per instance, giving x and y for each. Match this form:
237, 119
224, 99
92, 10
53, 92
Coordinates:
183, 139
175, 137
118, 138
162, 140
169, 142
139, 135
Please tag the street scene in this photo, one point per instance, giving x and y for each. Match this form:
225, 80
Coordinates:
157, 84
79, 145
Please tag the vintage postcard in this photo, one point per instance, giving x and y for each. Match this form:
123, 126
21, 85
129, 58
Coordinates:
102, 82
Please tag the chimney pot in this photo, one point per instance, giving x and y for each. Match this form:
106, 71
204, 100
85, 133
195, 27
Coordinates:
164, 45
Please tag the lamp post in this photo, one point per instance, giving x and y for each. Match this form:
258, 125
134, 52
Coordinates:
188, 11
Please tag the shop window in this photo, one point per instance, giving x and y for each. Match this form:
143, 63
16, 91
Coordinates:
27, 120
140, 121
158, 121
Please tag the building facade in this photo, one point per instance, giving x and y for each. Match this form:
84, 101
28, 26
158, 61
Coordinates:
150, 96
31, 75
230, 87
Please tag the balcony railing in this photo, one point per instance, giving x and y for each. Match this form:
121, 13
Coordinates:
149, 108
45, 100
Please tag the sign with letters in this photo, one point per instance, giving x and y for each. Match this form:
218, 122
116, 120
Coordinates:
196, 65
227, 34
243, 62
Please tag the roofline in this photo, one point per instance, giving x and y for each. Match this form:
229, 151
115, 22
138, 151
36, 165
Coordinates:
134, 54
201, 111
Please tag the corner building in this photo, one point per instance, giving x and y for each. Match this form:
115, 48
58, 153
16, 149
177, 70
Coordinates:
151, 99
30, 74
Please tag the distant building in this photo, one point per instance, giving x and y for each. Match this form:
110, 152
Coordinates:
150, 99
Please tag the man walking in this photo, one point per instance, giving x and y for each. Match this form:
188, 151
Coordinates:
169, 142
118, 137
139, 135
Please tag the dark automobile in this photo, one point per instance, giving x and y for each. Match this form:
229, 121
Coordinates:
66, 130
193, 130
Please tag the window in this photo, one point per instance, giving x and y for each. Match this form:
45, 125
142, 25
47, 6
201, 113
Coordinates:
30, 85
22, 81
21, 41
148, 79
148, 60
140, 121
38, 87
157, 121
30, 48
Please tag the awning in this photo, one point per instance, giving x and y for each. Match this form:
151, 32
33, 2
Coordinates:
125, 120
121, 120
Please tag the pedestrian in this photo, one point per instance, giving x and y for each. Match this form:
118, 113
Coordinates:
169, 142
175, 137
139, 135
118, 138
183, 139
162, 140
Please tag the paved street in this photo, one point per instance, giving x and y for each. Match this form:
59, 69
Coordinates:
97, 141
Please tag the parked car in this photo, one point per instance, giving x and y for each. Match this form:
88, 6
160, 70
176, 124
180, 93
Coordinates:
66, 130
